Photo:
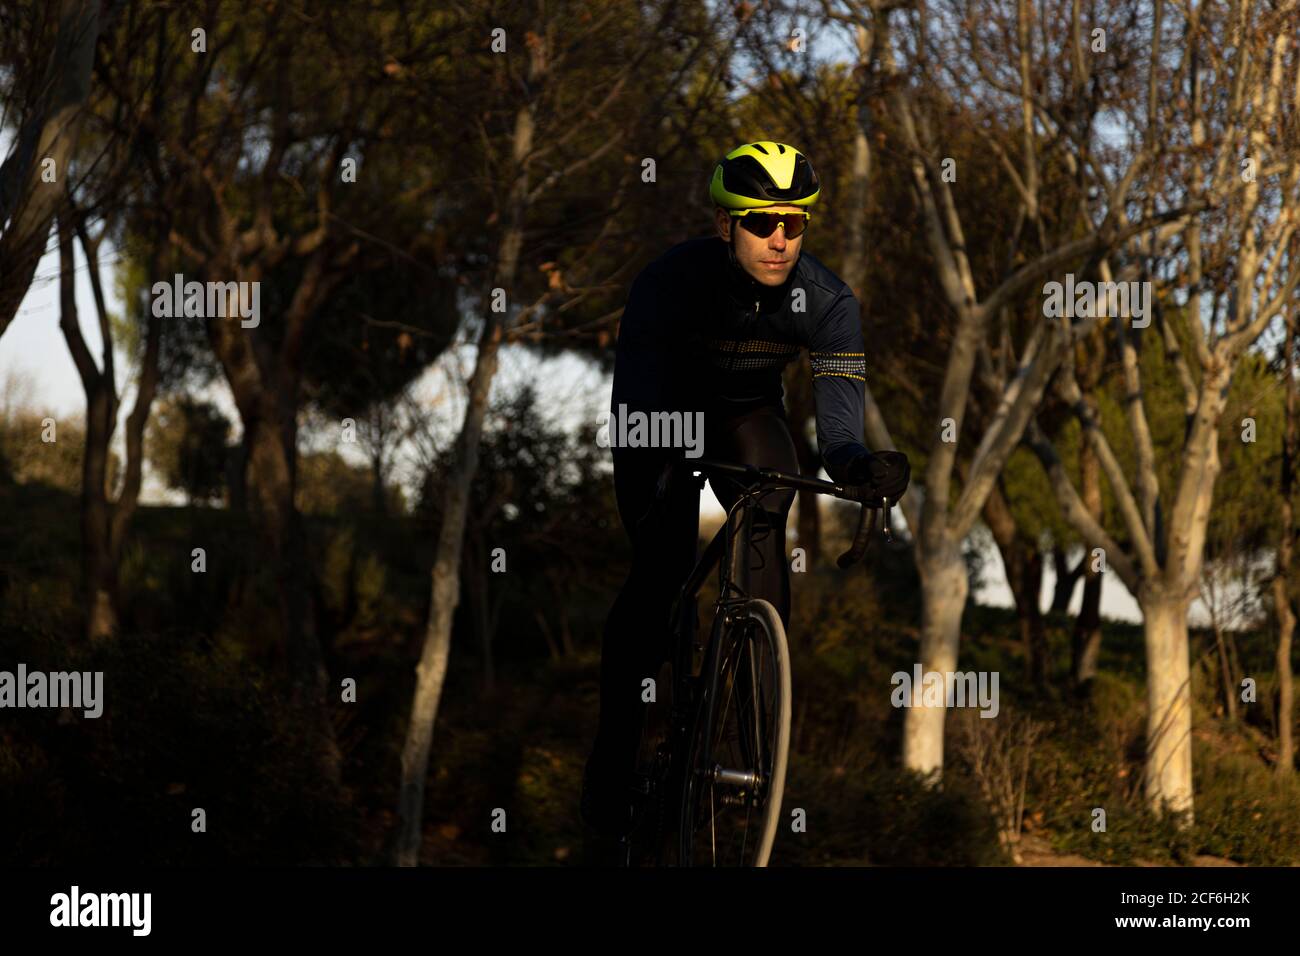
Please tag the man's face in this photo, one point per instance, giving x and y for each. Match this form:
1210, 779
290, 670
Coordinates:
769, 260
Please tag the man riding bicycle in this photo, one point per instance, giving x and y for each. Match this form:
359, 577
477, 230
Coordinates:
708, 328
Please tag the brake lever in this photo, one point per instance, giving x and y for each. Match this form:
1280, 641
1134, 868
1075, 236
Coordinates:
885, 529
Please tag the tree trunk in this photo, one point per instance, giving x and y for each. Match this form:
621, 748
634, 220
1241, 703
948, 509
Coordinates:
1033, 634
26, 201
1226, 672
237, 463
97, 566
445, 577
1066, 579
1169, 713
272, 450
99, 573
99, 576
944, 586
104, 522
1024, 569
1285, 556
1285, 684
1086, 642
856, 209
445, 595
265, 384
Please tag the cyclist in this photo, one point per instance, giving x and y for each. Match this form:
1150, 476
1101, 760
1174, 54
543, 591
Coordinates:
707, 329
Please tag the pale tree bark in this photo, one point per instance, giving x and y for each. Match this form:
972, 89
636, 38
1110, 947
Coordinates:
1163, 592
944, 588
946, 516
1282, 586
27, 202
445, 577
1168, 767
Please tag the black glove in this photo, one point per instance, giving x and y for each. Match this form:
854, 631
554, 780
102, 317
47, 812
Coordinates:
884, 473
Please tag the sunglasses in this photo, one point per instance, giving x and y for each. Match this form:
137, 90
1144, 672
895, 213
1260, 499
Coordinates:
763, 224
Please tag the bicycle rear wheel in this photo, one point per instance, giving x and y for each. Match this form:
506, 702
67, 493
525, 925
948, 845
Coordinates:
739, 744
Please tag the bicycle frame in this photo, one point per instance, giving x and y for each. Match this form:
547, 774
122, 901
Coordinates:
722, 549
728, 551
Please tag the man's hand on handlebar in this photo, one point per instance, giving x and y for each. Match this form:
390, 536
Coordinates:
881, 474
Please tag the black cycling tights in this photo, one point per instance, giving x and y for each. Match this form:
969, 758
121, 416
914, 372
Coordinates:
662, 520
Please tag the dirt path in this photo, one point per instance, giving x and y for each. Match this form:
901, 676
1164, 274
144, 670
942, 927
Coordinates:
1037, 851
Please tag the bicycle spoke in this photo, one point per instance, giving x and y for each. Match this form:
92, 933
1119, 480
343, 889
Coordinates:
736, 743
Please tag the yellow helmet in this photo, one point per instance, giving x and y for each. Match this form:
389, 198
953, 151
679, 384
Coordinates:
764, 174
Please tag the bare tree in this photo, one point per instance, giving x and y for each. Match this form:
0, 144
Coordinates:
1009, 69
33, 178
104, 521
1283, 581
1247, 264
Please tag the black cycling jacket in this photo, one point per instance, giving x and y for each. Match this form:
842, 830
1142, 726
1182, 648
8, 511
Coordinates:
699, 334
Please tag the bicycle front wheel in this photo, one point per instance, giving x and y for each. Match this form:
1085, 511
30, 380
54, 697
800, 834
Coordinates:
739, 745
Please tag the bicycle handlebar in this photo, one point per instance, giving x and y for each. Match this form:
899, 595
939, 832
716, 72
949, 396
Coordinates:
845, 492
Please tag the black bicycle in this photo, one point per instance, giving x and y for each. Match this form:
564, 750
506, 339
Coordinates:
712, 762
